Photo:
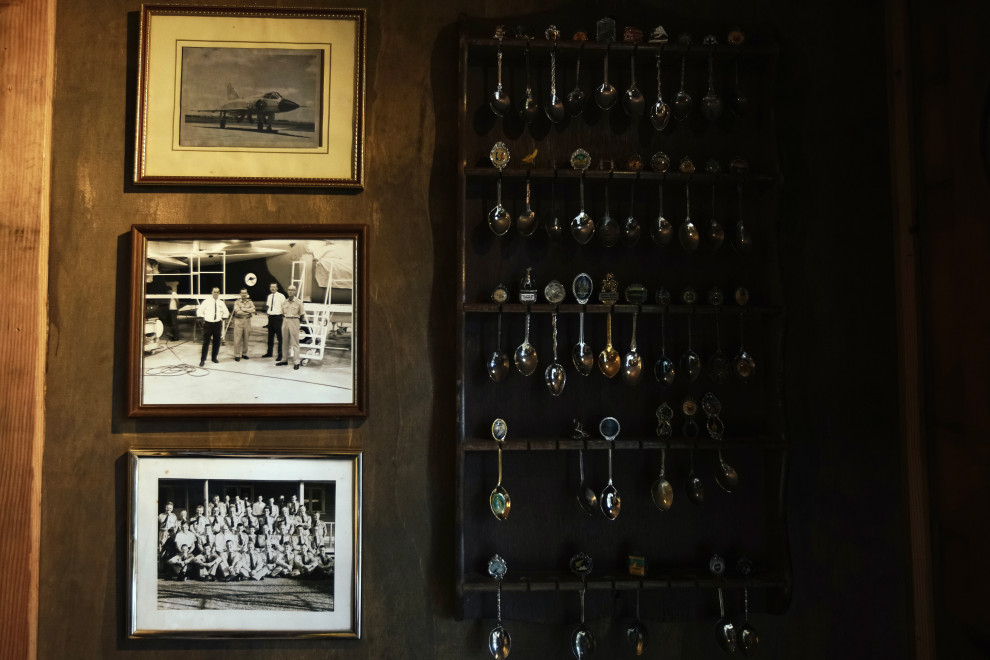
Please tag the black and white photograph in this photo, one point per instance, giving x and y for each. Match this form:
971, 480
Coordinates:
244, 543
259, 98
248, 322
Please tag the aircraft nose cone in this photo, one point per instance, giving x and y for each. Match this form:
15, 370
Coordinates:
284, 105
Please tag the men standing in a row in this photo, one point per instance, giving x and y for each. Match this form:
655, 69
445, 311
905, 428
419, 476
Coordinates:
213, 311
293, 314
274, 305
244, 310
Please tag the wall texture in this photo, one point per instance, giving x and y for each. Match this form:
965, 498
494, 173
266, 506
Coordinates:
844, 494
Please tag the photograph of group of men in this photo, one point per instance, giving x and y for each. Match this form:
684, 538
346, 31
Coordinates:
234, 539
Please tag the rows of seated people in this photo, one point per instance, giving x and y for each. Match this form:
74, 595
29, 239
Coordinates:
240, 540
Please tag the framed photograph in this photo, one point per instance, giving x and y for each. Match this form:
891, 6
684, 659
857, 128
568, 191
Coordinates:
244, 544
248, 321
251, 96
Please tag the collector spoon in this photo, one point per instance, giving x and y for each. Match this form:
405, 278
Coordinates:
743, 364
749, 639
610, 501
499, 219
715, 232
661, 491
742, 241
608, 229
499, 101
682, 100
554, 227
605, 94
609, 361
582, 639
631, 228
582, 226
738, 101
498, 362
499, 641
555, 377
585, 496
555, 105
661, 231
525, 356
664, 370
526, 222
660, 112
718, 365
632, 101
690, 361
711, 103
574, 103
582, 356
725, 632
499, 501
632, 363
688, 233
530, 106
636, 634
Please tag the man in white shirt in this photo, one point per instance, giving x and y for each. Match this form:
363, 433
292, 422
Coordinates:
173, 313
273, 305
213, 311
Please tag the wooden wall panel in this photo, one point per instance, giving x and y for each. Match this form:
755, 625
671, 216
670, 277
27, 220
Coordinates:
27, 38
841, 522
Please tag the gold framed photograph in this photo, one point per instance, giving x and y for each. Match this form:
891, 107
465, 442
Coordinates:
244, 544
251, 96
248, 321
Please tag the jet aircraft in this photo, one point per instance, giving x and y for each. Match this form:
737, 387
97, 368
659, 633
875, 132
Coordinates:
265, 106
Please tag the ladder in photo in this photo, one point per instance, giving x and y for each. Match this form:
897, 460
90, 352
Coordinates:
314, 330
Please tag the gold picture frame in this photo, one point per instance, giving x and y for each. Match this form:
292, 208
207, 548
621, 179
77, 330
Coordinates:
245, 96
304, 583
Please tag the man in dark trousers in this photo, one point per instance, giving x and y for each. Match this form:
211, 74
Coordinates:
273, 305
212, 311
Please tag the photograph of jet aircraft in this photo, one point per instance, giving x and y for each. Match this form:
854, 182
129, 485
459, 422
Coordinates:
280, 313
276, 102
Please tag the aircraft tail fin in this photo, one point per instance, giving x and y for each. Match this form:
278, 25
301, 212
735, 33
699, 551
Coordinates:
231, 94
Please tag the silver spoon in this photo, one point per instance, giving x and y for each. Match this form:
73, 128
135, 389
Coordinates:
610, 500
609, 361
738, 102
582, 356
632, 101
526, 222
687, 234
499, 219
499, 101
683, 102
574, 103
664, 370
743, 364
585, 496
582, 226
582, 639
632, 363
742, 241
715, 233
608, 229
499, 642
554, 227
718, 364
661, 230
711, 103
726, 476
690, 361
749, 639
660, 112
498, 362
530, 106
499, 501
555, 377
631, 228
605, 94
525, 357
555, 105
662, 491
636, 633
725, 632
695, 487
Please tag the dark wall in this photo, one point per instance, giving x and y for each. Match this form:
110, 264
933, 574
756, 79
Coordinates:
844, 493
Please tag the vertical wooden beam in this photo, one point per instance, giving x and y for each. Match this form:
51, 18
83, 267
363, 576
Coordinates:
906, 259
27, 38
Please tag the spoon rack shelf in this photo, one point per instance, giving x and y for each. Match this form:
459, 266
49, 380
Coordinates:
540, 463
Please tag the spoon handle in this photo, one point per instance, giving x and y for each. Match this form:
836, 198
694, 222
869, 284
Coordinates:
632, 344
553, 322
499, 465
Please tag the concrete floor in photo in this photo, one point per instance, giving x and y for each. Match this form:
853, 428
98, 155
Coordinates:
276, 594
172, 374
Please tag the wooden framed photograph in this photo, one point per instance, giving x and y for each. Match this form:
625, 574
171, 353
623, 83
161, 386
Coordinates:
244, 544
248, 321
251, 96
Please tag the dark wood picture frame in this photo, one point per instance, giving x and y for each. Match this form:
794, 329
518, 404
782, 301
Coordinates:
206, 74
329, 262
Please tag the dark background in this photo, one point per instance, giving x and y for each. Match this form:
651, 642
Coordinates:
845, 494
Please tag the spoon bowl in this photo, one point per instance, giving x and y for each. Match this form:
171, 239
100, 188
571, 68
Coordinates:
662, 491
499, 643
636, 636
711, 106
633, 101
664, 371
582, 228
609, 361
587, 499
631, 230
526, 359
743, 240
500, 502
744, 365
582, 642
555, 109
611, 502
499, 102
498, 365
605, 95
574, 102
660, 114
715, 234
499, 220
725, 634
726, 476
583, 358
632, 367
683, 103
555, 377
688, 236
749, 639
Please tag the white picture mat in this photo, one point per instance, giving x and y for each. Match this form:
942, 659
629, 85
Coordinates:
148, 470
160, 159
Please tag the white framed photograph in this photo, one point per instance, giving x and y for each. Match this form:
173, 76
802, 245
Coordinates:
248, 321
245, 544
